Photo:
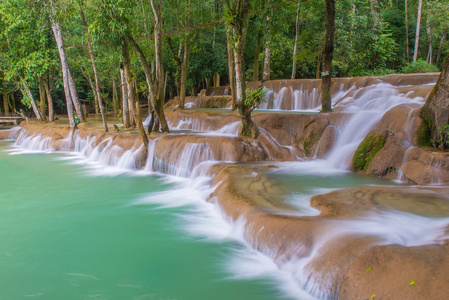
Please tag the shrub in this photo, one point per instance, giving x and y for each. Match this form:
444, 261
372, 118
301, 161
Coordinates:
420, 66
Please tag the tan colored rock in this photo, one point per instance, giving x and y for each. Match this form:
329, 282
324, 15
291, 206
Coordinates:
327, 141
312, 134
389, 158
394, 268
339, 267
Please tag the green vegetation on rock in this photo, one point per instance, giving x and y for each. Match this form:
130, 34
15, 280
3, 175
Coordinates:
367, 150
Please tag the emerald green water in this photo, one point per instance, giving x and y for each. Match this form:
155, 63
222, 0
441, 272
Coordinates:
66, 234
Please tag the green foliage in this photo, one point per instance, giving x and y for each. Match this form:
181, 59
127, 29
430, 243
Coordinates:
255, 97
420, 66
369, 269
367, 150
442, 139
364, 42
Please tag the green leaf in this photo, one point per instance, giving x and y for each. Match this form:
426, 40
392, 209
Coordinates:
369, 269
413, 282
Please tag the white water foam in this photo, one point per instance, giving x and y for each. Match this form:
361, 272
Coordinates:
205, 220
367, 106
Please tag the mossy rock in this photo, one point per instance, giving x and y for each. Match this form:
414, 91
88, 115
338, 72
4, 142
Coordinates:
424, 135
367, 150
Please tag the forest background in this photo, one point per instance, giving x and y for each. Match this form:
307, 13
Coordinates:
285, 40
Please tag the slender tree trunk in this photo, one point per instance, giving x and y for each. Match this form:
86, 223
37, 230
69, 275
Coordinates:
328, 54
231, 71
27, 93
429, 38
184, 69
97, 82
159, 100
132, 96
51, 112
115, 96
267, 58
440, 48
65, 75
418, 25
75, 98
318, 65
216, 80
42, 99
13, 102
147, 70
375, 12
5, 99
257, 56
94, 92
125, 108
407, 48
295, 49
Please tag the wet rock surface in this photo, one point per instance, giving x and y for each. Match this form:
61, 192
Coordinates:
337, 261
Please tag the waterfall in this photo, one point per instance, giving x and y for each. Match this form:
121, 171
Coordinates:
367, 107
187, 159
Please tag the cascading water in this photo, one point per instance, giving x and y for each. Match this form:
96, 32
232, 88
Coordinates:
367, 107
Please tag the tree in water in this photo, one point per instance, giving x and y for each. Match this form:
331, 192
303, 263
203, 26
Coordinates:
236, 19
435, 111
328, 54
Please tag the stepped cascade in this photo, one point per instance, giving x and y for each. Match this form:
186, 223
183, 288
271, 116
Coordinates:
291, 194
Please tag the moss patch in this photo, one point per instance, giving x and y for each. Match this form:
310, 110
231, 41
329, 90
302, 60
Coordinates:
424, 135
367, 150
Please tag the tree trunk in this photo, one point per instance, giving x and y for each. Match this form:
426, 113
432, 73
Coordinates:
239, 32
231, 70
75, 98
115, 96
146, 69
13, 102
418, 25
27, 93
51, 111
5, 99
132, 96
318, 65
326, 82
440, 48
184, 69
267, 61
267, 58
375, 13
65, 75
257, 56
42, 99
92, 58
407, 50
435, 111
429, 38
295, 49
94, 92
125, 108
159, 82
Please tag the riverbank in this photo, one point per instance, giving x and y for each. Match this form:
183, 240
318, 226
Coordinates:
328, 263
